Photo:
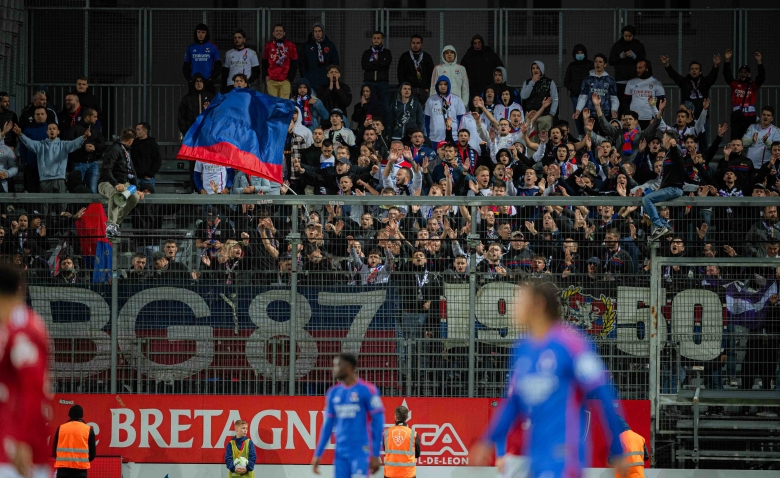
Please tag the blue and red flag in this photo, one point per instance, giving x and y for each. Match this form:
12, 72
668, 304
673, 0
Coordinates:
244, 130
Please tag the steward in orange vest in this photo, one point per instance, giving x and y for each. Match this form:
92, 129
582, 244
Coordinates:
73, 445
402, 447
634, 455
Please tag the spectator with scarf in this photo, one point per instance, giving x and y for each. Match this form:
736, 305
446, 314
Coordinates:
318, 54
744, 93
376, 70
313, 112
407, 112
441, 106
415, 68
280, 62
694, 86
629, 137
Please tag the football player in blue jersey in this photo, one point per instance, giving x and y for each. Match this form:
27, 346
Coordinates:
555, 369
355, 413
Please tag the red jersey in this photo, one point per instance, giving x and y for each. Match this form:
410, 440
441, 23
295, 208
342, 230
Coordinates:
279, 56
25, 396
743, 96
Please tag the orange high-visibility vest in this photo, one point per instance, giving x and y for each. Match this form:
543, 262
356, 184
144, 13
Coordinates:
400, 461
633, 455
73, 446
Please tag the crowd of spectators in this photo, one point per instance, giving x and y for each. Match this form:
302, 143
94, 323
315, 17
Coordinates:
453, 126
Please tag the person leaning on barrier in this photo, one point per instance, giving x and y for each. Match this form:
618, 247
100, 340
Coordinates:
402, 447
73, 446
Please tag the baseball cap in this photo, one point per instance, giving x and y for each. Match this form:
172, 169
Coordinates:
517, 233
594, 260
157, 255
336, 111
759, 186
344, 161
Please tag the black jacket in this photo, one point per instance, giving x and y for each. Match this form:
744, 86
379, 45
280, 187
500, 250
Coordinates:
114, 167
674, 174
625, 68
408, 74
5, 116
96, 139
577, 71
694, 90
191, 105
146, 157
376, 70
88, 100
479, 66
27, 119
336, 98
408, 279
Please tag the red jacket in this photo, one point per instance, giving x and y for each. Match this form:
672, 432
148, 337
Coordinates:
744, 93
91, 228
271, 56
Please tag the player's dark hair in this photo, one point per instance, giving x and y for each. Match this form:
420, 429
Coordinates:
349, 358
546, 295
10, 280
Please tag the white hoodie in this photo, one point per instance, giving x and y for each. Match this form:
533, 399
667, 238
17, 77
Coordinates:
302, 130
459, 80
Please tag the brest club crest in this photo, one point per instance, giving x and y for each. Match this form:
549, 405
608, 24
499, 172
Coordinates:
398, 435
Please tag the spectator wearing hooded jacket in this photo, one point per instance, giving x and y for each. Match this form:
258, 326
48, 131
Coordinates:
601, 83
535, 90
479, 61
407, 113
280, 62
439, 107
202, 57
500, 84
576, 72
318, 54
450, 68
744, 93
191, 105
414, 68
312, 110
625, 54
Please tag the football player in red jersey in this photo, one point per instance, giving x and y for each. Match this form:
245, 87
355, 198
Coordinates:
25, 396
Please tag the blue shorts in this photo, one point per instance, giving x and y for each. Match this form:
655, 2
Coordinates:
352, 466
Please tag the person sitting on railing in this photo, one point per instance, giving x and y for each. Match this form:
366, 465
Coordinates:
116, 175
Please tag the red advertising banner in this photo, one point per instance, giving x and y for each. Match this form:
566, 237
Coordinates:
195, 428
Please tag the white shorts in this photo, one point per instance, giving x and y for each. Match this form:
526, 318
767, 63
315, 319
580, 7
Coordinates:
515, 467
8, 471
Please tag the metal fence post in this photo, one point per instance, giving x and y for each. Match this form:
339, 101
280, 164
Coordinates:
441, 31
86, 40
655, 317
473, 241
144, 39
294, 239
679, 40
114, 316
560, 47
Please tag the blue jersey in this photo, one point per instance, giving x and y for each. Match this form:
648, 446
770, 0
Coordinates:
549, 384
202, 58
357, 416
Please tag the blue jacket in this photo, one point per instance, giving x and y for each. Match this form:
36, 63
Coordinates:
311, 68
318, 111
229, 454
36, 133
606, 88
52, 155
241, 180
